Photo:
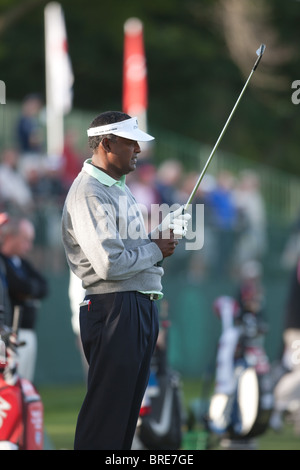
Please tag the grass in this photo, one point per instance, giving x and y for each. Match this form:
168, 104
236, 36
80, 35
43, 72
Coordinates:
62, 404
61, 407
285, 440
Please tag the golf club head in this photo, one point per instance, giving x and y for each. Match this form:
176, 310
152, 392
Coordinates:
259, 52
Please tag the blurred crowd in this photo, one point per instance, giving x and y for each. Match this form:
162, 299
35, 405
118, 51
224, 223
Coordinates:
28, 176
235, 220
35, 185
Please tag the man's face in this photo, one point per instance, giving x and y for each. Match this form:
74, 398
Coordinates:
20, 244
123, 156
24, 242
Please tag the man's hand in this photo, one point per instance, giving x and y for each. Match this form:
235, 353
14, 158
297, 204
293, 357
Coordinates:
166, 243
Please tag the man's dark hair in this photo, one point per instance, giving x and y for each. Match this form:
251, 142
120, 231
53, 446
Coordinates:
108, 117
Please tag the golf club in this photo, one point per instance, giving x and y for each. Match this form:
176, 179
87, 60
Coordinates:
259, 52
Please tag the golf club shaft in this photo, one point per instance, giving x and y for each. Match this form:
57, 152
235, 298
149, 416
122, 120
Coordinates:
223, 131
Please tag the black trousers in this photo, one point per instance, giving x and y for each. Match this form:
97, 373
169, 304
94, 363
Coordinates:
118, 333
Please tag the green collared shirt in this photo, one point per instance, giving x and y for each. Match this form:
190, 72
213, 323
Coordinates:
102, 177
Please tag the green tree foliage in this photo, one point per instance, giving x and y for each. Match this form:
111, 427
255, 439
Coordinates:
199, 53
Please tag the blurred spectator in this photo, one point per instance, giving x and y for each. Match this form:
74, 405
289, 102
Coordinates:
5, 307
250, 204
187, 185
168, 178
28, 127
26, 286
196, 262
44, 180
34, 176
224, 221
291, 251
15, 193
251, 295
221, 200
144, 190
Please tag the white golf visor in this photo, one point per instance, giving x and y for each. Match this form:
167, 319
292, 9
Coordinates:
129, 129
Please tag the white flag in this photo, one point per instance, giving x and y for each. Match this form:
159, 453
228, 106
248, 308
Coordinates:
59, 74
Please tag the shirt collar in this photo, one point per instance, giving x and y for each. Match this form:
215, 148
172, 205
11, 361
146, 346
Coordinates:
102, 177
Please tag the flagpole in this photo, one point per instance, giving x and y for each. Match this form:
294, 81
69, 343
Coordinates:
59, 78
54, 121
55, 130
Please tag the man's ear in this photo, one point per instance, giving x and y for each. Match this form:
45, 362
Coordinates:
105, 142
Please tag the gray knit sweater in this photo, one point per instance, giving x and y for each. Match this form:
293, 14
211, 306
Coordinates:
104, 237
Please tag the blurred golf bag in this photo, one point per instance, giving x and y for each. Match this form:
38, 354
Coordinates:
242, 403
160, 420
21, 409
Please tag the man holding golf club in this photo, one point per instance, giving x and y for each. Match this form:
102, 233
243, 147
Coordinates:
119, 265
108, 248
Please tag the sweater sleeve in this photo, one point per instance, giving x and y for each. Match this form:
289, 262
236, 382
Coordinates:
113, 254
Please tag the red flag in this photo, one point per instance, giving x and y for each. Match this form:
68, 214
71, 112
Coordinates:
135, 88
